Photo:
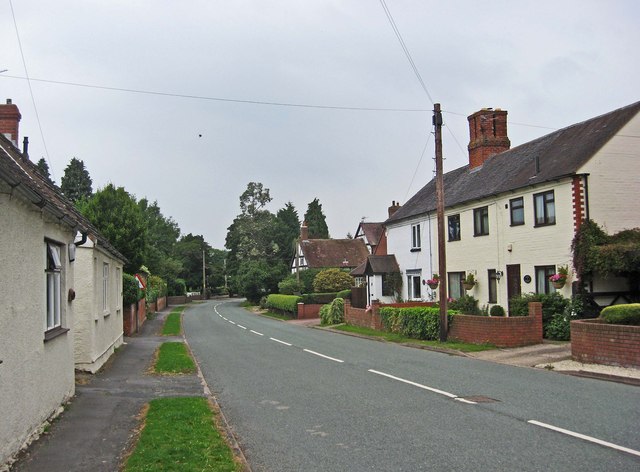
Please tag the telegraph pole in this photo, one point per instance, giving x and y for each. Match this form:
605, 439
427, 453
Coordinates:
442, 262
204, 278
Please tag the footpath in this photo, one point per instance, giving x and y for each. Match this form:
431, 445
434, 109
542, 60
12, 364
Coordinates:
98, 426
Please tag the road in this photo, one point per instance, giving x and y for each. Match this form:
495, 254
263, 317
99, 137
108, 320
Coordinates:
307, 399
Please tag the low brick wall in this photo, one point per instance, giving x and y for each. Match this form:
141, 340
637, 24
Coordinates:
500, 331
134, 317
362, 317
597, 342
161, 303
308, 311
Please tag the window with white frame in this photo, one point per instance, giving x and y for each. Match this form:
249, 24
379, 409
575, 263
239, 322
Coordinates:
414, 284
105, 287
53, 273
416, 243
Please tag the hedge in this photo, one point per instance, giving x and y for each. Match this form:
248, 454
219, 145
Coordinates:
285, 303
131, 292
318, 298
628, 314
414, 322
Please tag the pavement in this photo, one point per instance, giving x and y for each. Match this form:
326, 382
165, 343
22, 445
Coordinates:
100, 425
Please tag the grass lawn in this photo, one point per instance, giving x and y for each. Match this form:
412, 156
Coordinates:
396, 338
180, 434
172, 325
174, 358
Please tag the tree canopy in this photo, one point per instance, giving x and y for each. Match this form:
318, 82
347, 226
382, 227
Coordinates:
76, 183
43, 168
316, 221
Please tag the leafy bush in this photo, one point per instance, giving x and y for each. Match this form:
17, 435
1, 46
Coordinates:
496, 310
332, 313
157, 283
177, 287
466, 304
283, 303
332, 280
414, 322
344, 294
318, 298
131, 292
151, 294
559, 328
628, 314
263, 303
290, 286
552, 304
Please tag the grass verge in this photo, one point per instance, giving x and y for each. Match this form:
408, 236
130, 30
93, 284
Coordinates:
396, 338
174, 358
172, 325
277, 316
180, 434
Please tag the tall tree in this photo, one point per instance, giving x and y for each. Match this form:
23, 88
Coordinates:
287, 232
76, 183
119, 218
162, 236
43, 168
316, 221
189, 250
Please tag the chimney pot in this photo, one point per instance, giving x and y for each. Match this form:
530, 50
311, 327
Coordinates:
488, 135
9, 120
304, 232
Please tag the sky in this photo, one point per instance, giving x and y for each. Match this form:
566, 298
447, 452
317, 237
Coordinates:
185, 103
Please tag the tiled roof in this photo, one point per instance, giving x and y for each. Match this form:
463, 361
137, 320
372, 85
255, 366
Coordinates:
377, 265
371, 231
25, 179
326, 253
559, 154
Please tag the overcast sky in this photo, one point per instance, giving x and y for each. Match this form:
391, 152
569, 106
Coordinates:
550, 64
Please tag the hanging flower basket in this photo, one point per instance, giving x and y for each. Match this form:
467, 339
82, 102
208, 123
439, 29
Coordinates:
559, 278
433, 286
433, 282
468, 285
558, 285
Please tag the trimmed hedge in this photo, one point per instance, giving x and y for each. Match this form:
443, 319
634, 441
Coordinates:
318, 298
628, 314
344, 294
414, 322
285, 303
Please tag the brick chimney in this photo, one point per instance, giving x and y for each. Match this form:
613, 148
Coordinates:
488, 135
9, 119
395, 206
304, 232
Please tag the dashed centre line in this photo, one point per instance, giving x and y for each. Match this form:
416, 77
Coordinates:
240, 326
281, 342
322, 355
424, 387
255, 332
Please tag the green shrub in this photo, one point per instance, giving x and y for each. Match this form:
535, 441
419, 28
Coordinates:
559, 328
466, 304
263, 303
332, 313
177, 287
332, 280
290, 286
496, 310
283, 303
414, 322
131, 292
344, 294
628, 314
318, 298
157, 283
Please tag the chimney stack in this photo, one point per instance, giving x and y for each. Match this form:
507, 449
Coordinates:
488, 135
9, 119
395, 206
304, 232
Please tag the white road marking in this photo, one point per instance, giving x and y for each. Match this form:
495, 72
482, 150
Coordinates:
322, 355
232, 322
281, 342
425, 387
225, 318
240, 326
255, 332
586, 438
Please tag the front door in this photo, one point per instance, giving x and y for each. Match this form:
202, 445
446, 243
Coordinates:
513, 282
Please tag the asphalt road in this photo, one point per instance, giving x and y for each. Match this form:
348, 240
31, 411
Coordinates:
303, 399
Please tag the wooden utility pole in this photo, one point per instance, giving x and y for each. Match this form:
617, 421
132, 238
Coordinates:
204, 278
442, 260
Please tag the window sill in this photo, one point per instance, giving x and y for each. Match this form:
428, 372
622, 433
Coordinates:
541, 225
480, 235
54, 333
453, 240
516, 224
416, 249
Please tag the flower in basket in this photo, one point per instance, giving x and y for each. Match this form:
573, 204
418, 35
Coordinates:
560, 277
433, 281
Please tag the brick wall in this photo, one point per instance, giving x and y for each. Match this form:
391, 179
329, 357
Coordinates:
362, 317
596, 342
134, 317
308, 311
500, 331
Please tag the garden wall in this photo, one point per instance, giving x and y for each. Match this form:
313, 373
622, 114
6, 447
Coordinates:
134, 317
308, 311
500, 331
596, 342
362, 317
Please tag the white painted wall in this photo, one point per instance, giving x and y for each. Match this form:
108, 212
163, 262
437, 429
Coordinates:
614, 181
36, 377
98, 332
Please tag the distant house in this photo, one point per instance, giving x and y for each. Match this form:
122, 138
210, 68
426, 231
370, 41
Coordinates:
511, 214
377, 274
374, 237
41, 293
327, 253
